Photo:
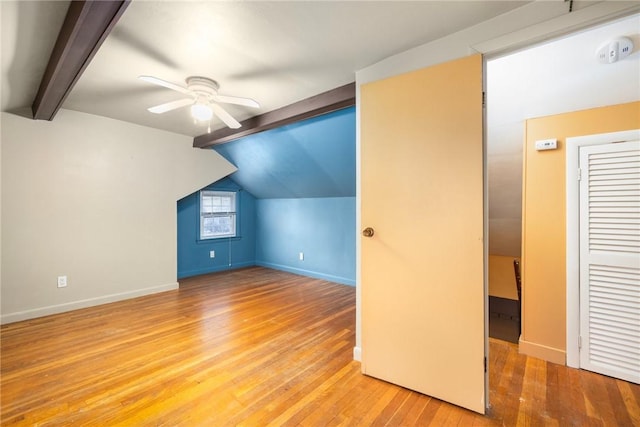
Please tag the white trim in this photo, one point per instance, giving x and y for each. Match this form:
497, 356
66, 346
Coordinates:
573, 145
558, 26
519, 28
485, 232
89, 302
357, 354
232, 214
358, 235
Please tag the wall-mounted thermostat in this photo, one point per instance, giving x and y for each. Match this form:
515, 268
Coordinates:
546, 144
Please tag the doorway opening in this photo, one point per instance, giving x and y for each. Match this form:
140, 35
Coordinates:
550, 78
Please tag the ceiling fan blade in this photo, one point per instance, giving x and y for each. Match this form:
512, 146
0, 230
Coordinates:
247, 102
168, 106
225, 117
164, 83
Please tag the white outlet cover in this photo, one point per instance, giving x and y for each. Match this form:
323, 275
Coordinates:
212, 254
62, 281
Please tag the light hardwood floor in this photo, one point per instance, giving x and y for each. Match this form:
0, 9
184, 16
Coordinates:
259, 347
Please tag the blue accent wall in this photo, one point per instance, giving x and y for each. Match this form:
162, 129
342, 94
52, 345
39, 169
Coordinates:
324, 229
230, 253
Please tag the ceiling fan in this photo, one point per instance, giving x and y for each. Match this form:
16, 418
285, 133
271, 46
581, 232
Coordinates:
203, 97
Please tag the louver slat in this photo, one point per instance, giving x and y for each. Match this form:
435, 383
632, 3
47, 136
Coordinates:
612, 228
614, 319
610, 172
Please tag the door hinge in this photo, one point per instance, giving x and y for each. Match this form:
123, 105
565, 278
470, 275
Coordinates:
579, 174
484, 98
485, 363
579, 342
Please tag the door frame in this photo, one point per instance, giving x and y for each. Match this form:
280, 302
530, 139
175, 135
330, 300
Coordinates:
573, 145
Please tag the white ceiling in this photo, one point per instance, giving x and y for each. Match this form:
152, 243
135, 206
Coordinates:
275, 52
281, 52
28, 32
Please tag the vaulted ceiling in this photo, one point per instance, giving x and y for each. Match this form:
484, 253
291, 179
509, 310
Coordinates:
312, 158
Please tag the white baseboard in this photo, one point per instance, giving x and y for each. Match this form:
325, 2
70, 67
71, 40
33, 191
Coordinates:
543, 352
90, 302
357, 354
308, 273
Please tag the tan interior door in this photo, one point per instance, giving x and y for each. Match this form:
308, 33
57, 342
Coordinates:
423, 267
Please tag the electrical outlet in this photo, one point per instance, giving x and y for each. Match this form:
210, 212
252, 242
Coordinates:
301, 256
62, 281
212, 254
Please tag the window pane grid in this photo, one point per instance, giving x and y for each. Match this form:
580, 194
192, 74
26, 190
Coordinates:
217, 214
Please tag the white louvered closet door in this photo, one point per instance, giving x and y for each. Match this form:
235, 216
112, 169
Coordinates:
610, 259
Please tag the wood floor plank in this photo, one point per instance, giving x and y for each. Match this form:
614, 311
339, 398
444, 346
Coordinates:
392, 407
414, 406
631, 403
374, 415
553, 400
512, 385
429, 412
257, 347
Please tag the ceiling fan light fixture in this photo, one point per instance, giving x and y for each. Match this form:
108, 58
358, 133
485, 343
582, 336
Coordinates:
203, 99
201, 112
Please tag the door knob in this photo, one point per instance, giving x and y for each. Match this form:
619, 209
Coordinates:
368, 232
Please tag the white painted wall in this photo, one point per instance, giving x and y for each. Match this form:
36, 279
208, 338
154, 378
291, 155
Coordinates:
94, 199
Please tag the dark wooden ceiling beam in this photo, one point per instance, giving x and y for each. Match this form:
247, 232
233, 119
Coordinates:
326, 102
85, 27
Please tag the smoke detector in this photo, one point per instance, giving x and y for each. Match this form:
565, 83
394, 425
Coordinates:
614, 50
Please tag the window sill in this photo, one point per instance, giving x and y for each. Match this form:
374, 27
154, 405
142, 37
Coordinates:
217, 240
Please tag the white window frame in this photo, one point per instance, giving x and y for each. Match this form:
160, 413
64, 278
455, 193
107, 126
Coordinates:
231, 213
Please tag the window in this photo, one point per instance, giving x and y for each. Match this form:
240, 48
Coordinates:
217, 214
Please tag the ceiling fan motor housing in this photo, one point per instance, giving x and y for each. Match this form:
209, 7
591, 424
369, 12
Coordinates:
202, 86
